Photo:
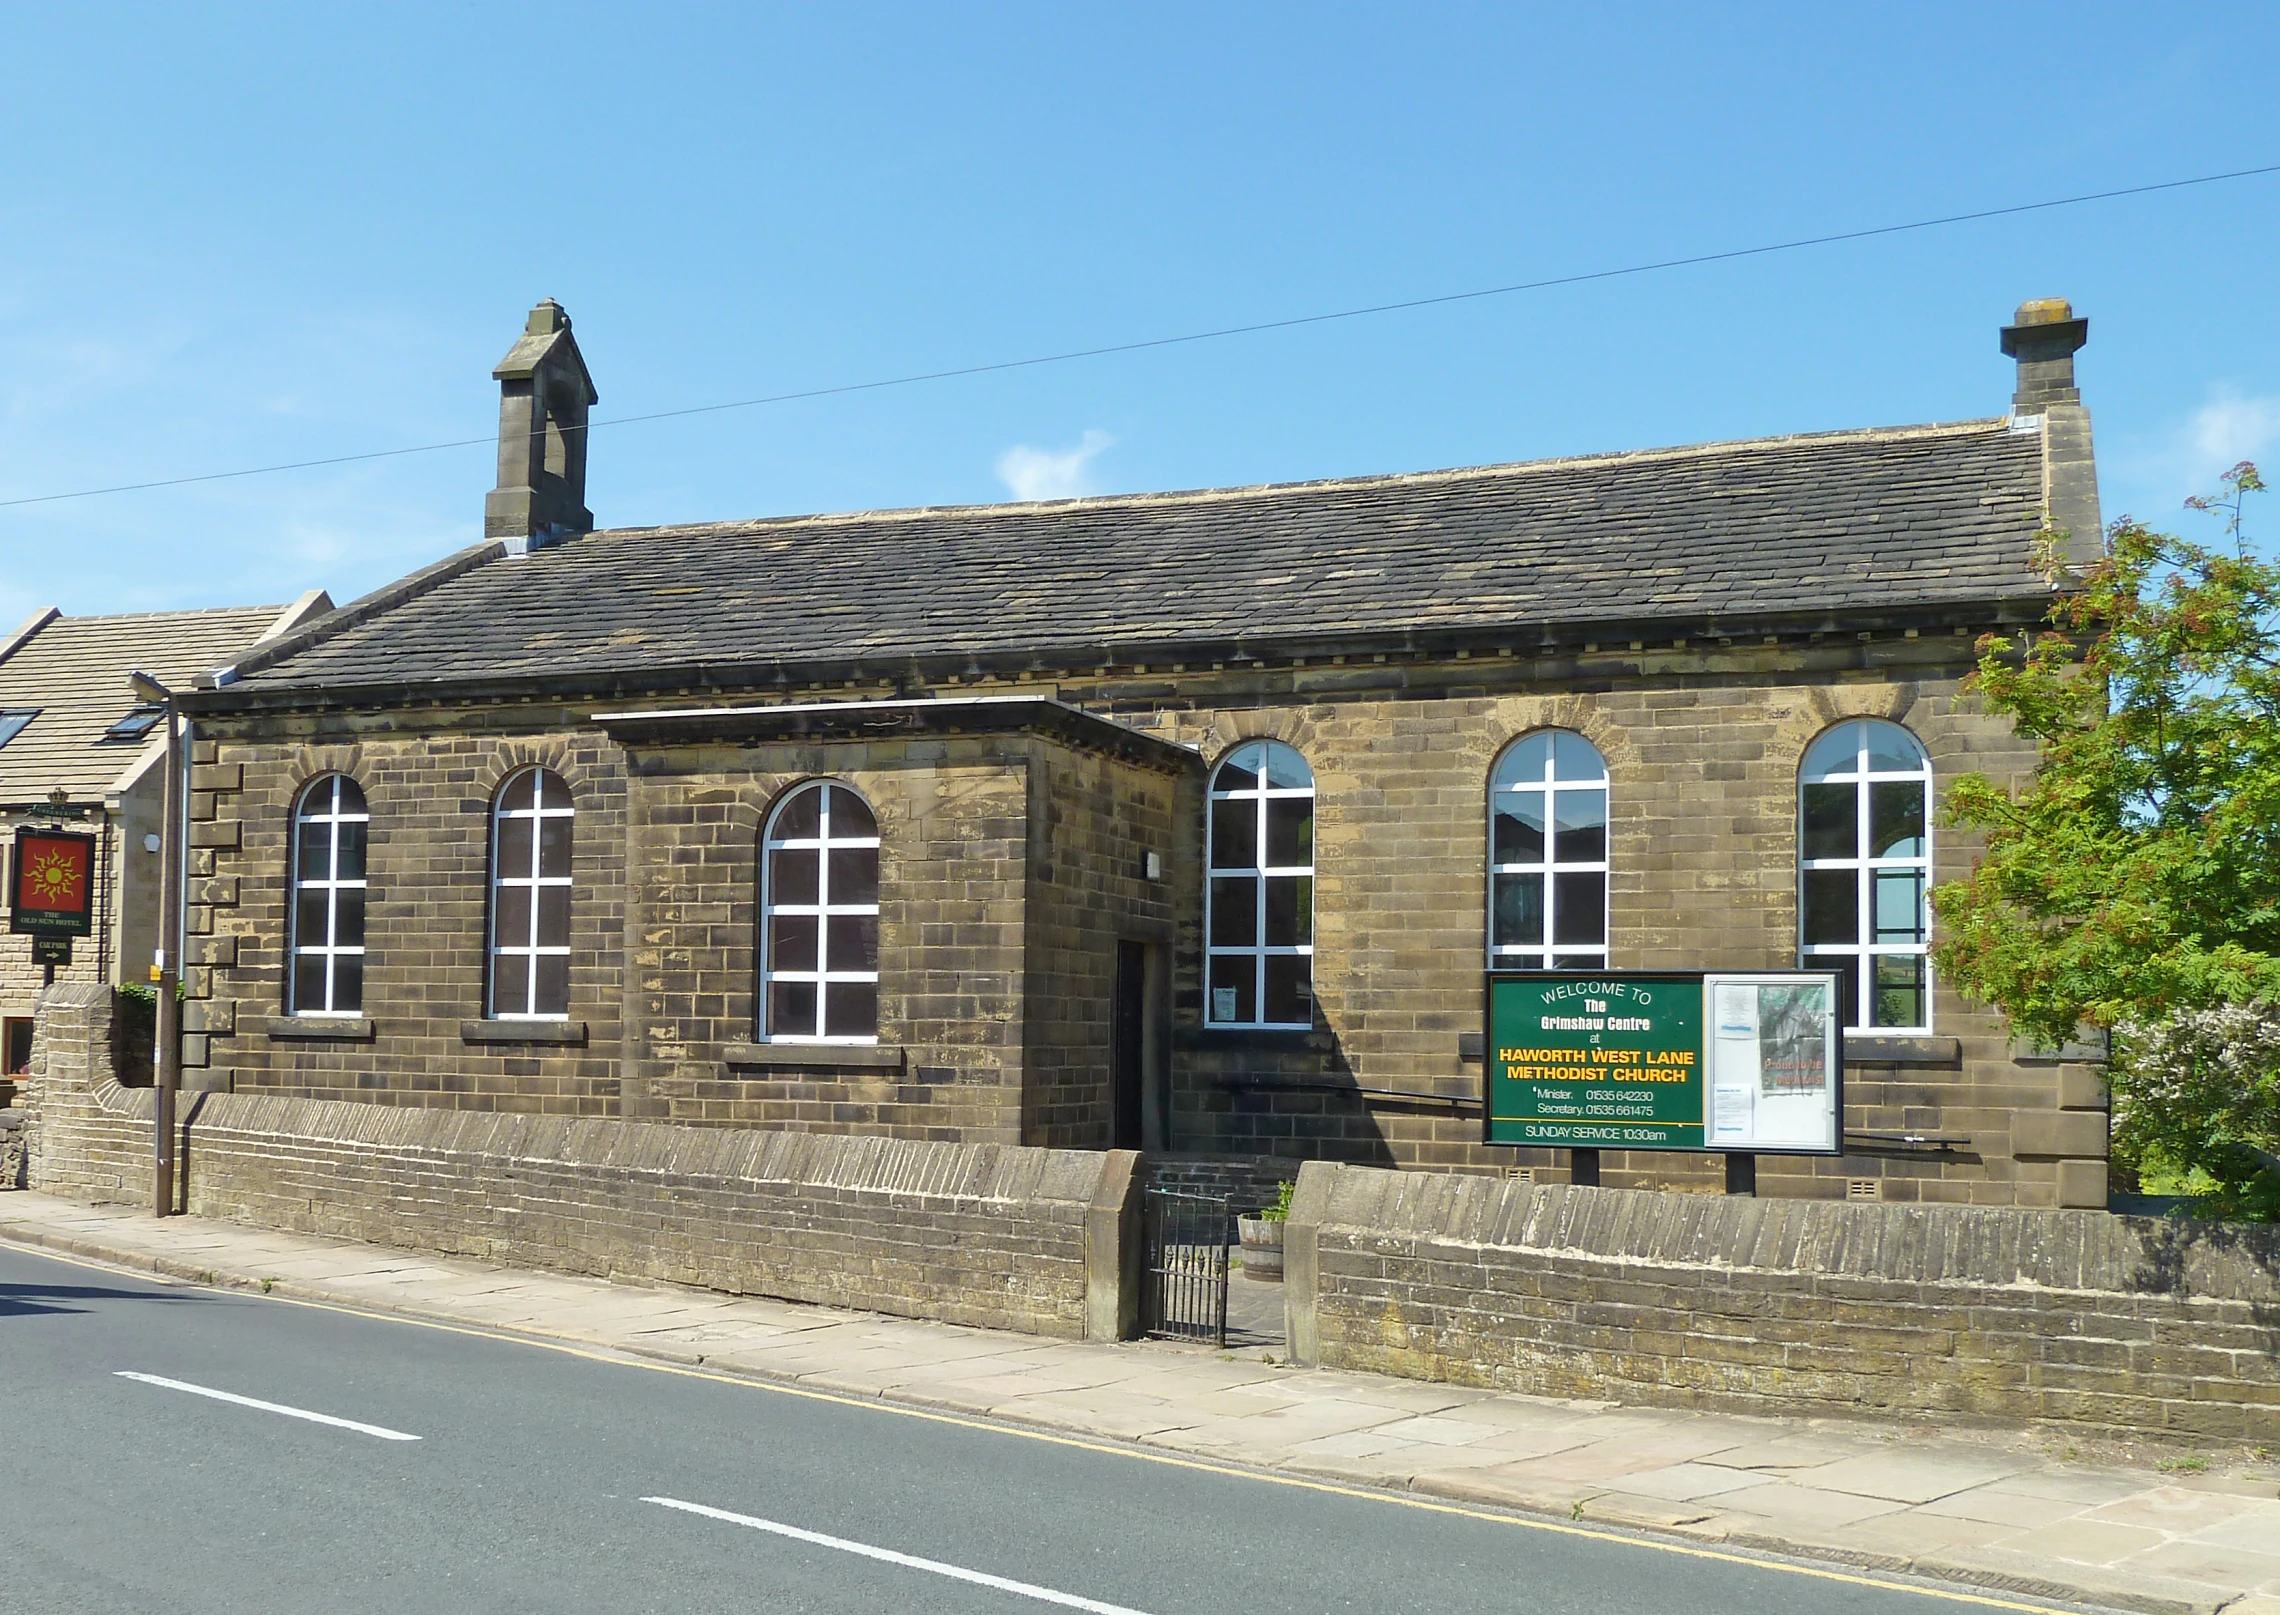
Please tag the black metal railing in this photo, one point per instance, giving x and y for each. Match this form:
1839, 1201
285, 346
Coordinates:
1186, 1293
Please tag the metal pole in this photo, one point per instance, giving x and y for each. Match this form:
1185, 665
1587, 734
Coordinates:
169, 971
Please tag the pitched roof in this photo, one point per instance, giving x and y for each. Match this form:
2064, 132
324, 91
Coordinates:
1805, 526
74, 671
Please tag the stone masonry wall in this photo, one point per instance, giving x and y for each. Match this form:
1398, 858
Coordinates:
665, 1009
990, 978
1094, 821
430, 795
1702, 744
72, 1042
1246, 1182
1040, 1241
2123, 1324
953, 826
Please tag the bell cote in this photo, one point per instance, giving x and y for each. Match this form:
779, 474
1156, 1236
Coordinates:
544, 393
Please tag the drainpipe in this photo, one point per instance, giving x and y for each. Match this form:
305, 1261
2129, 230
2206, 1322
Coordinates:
169, 954
108, 871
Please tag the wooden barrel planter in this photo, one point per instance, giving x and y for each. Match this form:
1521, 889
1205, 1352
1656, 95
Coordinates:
1262, 1248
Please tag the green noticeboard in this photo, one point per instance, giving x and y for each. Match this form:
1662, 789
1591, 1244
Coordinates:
1582, 1061
1746, 1062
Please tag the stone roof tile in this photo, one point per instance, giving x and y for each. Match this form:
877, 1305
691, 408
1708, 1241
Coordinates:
1907, 517
73, 670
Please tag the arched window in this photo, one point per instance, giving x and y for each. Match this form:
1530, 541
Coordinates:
1547, 855
530, 897
1864, 850
330, 825
819, 904
1259, 898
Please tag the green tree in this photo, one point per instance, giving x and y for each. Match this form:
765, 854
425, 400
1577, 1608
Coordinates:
2134, 879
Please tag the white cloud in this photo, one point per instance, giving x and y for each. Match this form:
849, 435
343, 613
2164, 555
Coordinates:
2152, 477
2227, 430
1042, 474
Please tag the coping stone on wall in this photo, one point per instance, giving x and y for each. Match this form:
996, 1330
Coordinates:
1912, 1244
2146, 1325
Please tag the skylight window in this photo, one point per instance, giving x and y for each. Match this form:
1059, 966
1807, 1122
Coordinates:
136, 724
12, 721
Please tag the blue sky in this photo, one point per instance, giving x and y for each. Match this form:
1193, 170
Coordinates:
231, 236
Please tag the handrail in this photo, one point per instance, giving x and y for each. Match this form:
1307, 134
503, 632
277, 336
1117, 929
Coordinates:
1913, 1143
1300, 1085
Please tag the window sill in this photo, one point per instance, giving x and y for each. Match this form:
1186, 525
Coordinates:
1902, 1048
1261, 1038
569, 1032
816, 1056
321, 1028
2090, 1051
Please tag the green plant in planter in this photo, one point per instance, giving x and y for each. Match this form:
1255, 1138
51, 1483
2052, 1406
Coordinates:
138, 1010
1280, 1210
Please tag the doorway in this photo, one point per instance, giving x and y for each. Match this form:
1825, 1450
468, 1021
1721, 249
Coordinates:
1128, 1058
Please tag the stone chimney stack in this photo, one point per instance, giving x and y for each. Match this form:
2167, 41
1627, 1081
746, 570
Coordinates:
2044, 340
2044, 337
544, 393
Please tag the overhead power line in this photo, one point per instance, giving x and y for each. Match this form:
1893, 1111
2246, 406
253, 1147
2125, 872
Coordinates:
1146, 343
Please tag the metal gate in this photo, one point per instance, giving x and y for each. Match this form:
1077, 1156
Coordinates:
1186, 1293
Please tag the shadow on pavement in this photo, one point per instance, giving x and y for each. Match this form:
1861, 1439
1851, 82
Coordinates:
1254, 1312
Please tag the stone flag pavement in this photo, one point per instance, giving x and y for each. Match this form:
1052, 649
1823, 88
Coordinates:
2023, 1511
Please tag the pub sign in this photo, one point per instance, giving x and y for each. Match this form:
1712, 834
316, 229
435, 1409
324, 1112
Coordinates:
51, 879
1746, 1062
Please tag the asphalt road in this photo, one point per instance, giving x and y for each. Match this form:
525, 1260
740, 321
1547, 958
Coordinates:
543, 1480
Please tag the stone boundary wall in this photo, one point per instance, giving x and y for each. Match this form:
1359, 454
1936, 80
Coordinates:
995, 1236
2124, 1324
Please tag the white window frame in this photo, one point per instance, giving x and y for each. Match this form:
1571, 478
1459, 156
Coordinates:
333, 887
1860, 954
823, 910
1259, 951
550, 799
1545, 953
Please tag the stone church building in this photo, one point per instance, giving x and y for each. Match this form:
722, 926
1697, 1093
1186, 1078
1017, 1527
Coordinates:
1187, 821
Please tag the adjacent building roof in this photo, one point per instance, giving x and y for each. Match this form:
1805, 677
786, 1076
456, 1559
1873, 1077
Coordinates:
1820, 528
72, 671
898, 719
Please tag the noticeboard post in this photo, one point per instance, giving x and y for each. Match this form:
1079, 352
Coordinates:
1741, 1062
51, 882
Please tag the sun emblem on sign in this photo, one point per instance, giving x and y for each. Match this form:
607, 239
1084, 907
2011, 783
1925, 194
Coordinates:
52, 876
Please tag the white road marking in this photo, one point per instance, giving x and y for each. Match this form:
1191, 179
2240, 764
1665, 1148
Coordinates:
381, 1431
1044, 1595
